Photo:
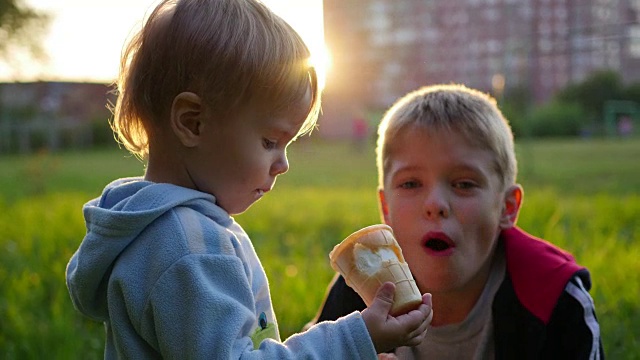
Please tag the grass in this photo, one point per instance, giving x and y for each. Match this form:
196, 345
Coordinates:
581, 195
581, 166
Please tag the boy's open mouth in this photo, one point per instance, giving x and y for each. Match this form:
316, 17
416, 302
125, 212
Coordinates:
437, 244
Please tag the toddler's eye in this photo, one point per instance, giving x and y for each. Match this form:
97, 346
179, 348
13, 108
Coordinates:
268, 144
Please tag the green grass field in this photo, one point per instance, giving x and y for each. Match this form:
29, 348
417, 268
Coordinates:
581, 195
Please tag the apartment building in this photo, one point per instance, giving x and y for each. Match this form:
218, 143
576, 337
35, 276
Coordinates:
381, 49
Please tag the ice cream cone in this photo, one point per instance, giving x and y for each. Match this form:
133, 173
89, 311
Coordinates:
370, 257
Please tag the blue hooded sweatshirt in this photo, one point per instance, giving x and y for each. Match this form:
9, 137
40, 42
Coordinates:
173, 276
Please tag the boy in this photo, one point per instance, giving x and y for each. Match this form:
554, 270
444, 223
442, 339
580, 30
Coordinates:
447, 187
211, 93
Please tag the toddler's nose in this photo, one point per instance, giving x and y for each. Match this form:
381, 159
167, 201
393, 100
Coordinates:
280, 166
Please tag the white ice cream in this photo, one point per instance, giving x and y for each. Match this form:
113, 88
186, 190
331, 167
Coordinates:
369, 262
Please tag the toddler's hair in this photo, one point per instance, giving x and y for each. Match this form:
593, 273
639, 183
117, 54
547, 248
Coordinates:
231, 53
439, 109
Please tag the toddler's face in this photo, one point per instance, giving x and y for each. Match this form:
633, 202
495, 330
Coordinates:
444, 201
242, 155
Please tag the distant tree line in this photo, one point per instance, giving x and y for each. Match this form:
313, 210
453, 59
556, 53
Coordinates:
592, 107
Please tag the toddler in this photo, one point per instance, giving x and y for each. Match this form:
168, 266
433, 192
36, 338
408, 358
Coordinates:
211, 93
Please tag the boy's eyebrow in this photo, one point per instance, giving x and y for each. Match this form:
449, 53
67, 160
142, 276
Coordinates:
394, 171
456, 167
470, 166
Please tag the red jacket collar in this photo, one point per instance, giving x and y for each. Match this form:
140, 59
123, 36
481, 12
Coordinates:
539, 271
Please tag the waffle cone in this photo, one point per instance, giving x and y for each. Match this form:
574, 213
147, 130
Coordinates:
370, 257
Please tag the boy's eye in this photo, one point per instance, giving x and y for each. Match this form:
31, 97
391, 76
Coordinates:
268, 144
409, 184
464, 185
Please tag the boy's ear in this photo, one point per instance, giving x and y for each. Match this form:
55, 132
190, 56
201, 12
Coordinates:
186, 118
384, 209
512, 202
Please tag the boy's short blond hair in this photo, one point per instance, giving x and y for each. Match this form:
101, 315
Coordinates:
231, 53
471, 113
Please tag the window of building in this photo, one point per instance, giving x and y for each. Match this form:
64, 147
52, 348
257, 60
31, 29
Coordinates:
634, 41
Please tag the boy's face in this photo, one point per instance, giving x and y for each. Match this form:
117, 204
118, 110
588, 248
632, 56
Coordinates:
239, 158
446, 205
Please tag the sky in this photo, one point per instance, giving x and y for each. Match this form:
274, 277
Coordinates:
85, 38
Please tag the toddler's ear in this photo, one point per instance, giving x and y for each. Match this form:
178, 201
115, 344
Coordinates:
512, 202
185, 118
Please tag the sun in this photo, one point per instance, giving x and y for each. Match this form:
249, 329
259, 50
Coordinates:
321, 60
306, 17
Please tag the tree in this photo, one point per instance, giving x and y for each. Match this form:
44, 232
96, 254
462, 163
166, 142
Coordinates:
20, 27
557, 119
515, 105
592, 93
632, 92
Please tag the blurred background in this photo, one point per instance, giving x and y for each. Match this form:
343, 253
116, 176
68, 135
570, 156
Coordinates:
566, 73
58, 60
528, 54
558, 68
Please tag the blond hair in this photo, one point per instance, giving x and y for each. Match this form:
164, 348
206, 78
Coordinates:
229, 52
469, 112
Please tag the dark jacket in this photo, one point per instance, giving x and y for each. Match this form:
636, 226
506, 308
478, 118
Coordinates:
542, 309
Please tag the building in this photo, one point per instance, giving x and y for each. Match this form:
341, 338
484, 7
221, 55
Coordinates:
53, 115
382, 49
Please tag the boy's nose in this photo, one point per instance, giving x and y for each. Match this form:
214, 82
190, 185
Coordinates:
436, 205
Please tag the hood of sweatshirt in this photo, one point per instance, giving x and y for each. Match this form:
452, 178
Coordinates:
113, 221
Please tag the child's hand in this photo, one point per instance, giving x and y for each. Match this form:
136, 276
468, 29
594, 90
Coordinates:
388, 332
387, 356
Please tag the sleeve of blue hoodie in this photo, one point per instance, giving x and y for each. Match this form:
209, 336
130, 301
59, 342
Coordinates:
160, 267
202, 307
